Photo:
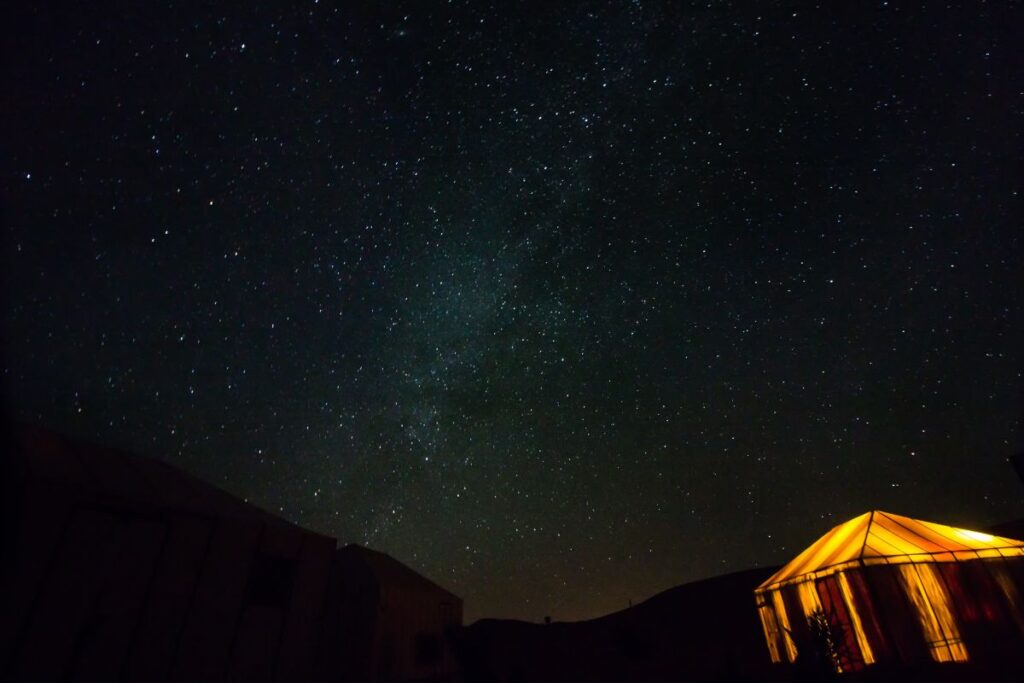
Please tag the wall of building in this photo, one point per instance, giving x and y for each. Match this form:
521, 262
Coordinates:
413, 622
123, 568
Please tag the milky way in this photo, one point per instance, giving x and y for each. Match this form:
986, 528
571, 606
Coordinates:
562, 304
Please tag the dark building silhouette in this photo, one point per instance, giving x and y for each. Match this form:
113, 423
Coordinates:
413, 621
1017, 461
1013, 528
121, 567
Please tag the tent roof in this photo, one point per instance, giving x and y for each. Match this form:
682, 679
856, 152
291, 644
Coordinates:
80, 471
389, 571
878, 537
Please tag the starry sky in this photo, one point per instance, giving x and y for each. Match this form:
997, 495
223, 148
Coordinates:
562, 304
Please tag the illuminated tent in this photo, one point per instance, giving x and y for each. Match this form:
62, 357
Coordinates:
887, 588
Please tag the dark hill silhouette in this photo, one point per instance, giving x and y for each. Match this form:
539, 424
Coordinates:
701, 632
706, 630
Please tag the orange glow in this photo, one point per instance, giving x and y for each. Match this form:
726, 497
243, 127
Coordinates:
931, 601
885, 538
771, 631
841, 544
915, 549
975, 535
858, 628
809, 599
783, 620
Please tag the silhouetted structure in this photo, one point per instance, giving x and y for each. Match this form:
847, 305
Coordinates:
702, 631
1012, 528
1017, 460
899, 591
395, 625
121, 567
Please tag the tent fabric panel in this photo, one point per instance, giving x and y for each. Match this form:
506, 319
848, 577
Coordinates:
923, 535
863, 645
886, 537
1010, 589
878, 559
783, 620
932, 604
795, 611
78, 576
862, 603
955, 536
964, 600
771, 631
982, 615
1015, 567
895, 612
820, 574
909, 612
115, 618
803, 561
849, 550
905, 540
810, 601
911, 540
950, 538
847, 653
169, 599
204, 643
884, 543
989, 600
942, 557
841, 544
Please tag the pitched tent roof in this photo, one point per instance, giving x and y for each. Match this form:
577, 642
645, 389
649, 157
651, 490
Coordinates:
386, 569
87, 470
885, 538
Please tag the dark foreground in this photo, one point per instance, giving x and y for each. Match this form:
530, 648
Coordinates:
705, 631
126, 569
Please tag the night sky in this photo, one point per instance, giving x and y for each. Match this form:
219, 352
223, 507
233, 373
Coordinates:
562, 304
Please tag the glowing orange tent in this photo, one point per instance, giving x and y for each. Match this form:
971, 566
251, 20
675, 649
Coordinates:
883, 587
